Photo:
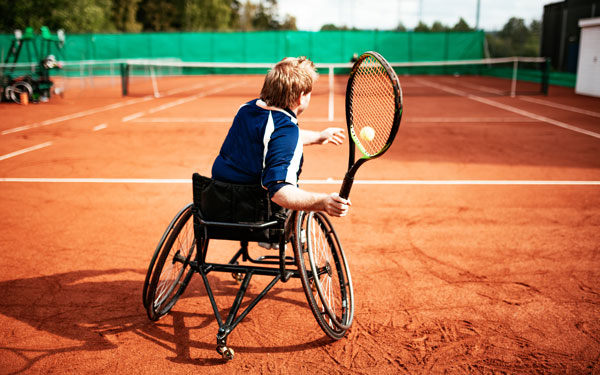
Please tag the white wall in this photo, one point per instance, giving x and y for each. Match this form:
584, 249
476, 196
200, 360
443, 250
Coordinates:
588, 66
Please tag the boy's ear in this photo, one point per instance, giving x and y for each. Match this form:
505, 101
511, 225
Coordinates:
303, 95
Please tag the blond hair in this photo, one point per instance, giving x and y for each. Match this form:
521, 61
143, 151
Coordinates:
287, 80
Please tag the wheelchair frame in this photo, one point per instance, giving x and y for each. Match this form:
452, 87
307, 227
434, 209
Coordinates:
308, 233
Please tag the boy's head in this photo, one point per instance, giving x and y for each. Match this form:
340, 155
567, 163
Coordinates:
287, 81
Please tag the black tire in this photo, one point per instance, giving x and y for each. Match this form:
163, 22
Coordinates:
157, 252
319, 252
169, 271
18, 88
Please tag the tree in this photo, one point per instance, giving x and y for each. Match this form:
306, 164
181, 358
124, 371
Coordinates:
422, 27
400, 27
438, 27
332, 27
515, 31
92, 15
245, 16
147, 15
289, 23
532, 45
461, 25
166, 15
265, 17
215, 15
124, 14
515, 39
70, 15
158, 15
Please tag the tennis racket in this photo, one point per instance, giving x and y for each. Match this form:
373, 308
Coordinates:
373, 111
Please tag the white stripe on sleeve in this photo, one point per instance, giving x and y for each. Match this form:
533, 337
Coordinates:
292, 172
269, 129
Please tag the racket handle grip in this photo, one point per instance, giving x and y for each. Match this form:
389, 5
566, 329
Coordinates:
346, 186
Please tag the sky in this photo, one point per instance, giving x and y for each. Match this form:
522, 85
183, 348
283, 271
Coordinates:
387, 14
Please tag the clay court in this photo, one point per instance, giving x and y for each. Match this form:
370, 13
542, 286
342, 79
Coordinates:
473, 242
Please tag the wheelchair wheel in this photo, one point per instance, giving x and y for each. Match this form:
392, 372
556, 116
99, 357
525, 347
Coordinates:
324, 273
169, 271
17, 89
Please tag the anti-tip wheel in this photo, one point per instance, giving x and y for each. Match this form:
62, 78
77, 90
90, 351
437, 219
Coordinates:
226, 353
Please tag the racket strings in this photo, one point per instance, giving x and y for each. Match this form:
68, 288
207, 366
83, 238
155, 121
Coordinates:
373, 105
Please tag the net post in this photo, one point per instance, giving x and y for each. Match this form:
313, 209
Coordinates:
545, 76
331, 86
112, 73
91, 74
124, 78
81, 75
513, 86
154, 84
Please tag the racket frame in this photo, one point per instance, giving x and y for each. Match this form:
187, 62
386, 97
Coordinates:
398, 103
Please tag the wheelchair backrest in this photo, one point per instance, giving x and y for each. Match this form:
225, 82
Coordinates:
217, 201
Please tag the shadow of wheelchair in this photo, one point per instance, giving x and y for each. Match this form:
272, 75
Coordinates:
88, 306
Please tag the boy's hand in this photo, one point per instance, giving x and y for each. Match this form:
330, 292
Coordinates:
336, 205
332, 135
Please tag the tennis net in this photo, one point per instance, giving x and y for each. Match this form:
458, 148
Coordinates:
498, 77
160, 77
83, 75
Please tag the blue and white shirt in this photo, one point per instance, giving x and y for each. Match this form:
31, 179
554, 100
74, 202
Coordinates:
262, 147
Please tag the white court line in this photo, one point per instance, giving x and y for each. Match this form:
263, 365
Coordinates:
510, 108
29, 149
133, 117
182, 89
489, 90
168, 105
453, 182
180, 101
94, 111
195, 120
190, 120
560, 124
101, 180
228, 120
75, 115
99, 127
469, 119
328, 181
560, 106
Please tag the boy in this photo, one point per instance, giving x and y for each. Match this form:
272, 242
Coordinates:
264, 143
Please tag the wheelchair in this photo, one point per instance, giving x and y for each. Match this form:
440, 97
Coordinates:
245, 213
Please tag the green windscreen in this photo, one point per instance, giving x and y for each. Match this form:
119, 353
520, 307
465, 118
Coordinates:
269, 46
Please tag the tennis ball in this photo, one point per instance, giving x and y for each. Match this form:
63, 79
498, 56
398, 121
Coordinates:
367, 133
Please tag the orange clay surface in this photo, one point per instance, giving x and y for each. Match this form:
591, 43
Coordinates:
468, 276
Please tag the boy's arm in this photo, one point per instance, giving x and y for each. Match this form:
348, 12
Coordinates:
294, 198
329, 135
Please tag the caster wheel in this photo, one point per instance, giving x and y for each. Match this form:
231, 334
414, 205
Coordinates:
226, 353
